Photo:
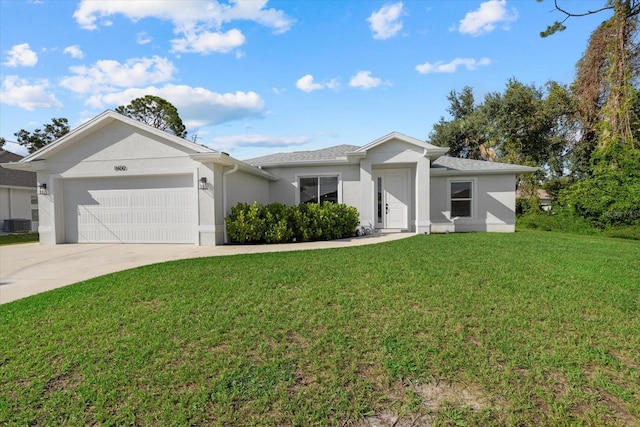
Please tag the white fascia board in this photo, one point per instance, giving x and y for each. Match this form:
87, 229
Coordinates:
102, 120
453, 172
337, 162
22, 166
404, 138
226, 160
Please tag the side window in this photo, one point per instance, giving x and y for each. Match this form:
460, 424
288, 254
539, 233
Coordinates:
34, 209
461, 199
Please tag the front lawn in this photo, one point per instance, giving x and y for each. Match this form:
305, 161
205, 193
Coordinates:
529, 328
10, 239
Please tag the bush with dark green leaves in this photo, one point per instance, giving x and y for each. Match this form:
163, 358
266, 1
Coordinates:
278, 223
610, 197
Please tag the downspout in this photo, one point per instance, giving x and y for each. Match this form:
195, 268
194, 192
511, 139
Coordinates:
224, 198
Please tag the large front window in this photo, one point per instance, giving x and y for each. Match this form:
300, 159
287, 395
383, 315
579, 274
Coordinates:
319, 189
461, 199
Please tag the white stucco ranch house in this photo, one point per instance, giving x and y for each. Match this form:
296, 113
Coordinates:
115, 180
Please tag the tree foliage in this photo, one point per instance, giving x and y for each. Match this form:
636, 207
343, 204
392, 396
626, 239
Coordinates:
156, 112
524, 125
40, 137
631, 7
606, 156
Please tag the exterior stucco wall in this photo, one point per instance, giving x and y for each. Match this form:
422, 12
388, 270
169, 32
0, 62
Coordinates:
15, 203
493, 204
285, 190
120, 150
242, 187
397, 154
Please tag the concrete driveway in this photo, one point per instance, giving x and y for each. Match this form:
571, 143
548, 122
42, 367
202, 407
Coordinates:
28, 269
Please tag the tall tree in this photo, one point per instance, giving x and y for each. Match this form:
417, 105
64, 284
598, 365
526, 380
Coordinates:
523, 125
608, 110
607, 73
40, 137
157, 112
465, 134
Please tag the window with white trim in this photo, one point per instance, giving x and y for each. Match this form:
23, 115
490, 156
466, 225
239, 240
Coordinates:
318, 189
461, 199
34, 209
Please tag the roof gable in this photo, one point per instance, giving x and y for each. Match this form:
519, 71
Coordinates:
106, 118
430, 150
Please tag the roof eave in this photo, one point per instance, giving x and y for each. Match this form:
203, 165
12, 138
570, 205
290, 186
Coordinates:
25, 166
456, 172
104, 119
337, 162
226, 160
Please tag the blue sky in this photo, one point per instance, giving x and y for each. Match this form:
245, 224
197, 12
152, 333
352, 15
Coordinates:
256, 77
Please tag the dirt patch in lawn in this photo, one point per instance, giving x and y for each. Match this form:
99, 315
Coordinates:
434, 396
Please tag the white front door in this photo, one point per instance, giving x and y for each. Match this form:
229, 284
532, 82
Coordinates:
393, 198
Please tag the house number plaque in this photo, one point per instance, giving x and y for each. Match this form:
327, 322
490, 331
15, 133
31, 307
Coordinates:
120, 168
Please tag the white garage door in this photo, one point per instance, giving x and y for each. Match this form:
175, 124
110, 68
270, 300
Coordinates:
157, 209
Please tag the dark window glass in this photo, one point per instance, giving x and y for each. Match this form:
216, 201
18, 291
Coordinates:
460, 190
328, 189
308, 190
461, 199
461, 208
379, 199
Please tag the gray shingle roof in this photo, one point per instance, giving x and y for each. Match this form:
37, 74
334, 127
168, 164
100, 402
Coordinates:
14, 178
446, 163
324, 154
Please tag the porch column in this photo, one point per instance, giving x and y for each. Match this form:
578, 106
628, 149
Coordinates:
366, 195
423, 196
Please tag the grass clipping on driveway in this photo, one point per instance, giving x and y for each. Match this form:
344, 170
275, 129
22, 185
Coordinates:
528, 328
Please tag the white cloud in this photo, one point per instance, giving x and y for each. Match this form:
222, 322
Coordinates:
364, 80
74, 51
14, 147
306, 83
21, 55
385, 23
207, 42
197, 106
143, 38
30, 96
196, 20
452, 67
227, 143
485, 19
108, 75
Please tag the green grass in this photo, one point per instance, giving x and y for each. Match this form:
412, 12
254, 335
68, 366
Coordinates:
11, 239
523, 329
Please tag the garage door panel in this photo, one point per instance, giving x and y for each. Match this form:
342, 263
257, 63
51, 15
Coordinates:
130, 210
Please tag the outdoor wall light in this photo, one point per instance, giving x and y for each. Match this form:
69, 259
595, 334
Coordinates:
42, 189
203, 183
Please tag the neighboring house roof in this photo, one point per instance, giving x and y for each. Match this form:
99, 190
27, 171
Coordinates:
446, 165
13, 178
542, 194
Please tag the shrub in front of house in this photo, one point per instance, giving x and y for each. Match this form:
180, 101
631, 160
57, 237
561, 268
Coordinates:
278, 223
